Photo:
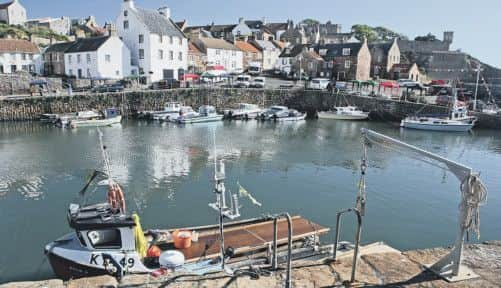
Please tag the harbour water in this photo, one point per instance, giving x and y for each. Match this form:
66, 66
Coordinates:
310, 169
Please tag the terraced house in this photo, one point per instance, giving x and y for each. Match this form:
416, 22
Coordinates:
158, 47
19, 55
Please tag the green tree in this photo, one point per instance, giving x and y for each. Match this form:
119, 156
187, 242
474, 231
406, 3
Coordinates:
310, 21
427, 37
363, 31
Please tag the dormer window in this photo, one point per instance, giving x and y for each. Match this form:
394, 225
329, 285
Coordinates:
346, 51
126, 24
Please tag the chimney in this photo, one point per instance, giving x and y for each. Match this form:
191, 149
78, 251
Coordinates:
263, 20
129, 4
164, 11
241, 20
111, 30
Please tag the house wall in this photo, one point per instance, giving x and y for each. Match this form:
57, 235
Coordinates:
270, 57
54, 63
232, 60
284, 65
22, 61
363, 65
88, 68
250, 57
196, 62
393, 57
16, 14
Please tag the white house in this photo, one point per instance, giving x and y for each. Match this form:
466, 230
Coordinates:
104, 57
221, 53
158, 47
270, 53
17, 55
12, 13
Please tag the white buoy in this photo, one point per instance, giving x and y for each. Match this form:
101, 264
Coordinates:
171, 259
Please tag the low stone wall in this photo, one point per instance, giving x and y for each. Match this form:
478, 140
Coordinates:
30, 108
19, 83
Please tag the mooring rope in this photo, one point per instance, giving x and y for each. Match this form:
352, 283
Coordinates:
473, 195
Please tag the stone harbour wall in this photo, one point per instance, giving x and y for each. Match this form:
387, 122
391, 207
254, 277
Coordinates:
19, 83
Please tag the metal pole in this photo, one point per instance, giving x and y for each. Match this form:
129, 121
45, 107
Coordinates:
221, 230
476, 88
289, 247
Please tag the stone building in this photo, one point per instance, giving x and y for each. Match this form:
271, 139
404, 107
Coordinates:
350, 61
12, 13
61, 26
221, 53
383, 57
251, 54
406, 71
299, 61
270, 51
197, 61
413, 46
19, 55
53, 59
294, 35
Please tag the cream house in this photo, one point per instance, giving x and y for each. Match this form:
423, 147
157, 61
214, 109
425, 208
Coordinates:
12, 13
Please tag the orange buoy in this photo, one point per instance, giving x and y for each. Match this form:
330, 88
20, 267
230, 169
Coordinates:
182, 240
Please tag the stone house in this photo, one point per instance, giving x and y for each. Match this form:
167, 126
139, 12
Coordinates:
270, 52
105, 57
12, 13
383, 57
61, 26
158, 47
294, 35
250, 53
197, 61
19, 55
220, 52
309, 63
53, 59
406, 71
350, 61
277, 29
287, 57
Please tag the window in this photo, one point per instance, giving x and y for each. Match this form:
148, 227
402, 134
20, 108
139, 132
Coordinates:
126, 24
180, 41
13, 56
171, 55
101, 239
25, 68
117, 73
88, 58
233, 64
171, 41
161, 54
141, 71
107, 58
88, 73
70, 59
218, 51
347, 64
234, 53
141, 38
346, 51
126, 13
23, 56
71, 72
13, 68
79, 58
180, 56
322, 52
141, 53
160, 38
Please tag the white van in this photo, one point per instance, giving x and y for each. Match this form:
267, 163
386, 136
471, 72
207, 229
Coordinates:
243, 81
319, 83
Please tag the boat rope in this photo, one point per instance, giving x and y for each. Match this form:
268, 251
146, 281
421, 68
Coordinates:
473, 195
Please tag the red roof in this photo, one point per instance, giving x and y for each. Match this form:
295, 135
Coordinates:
193, 49
16, 45
246, 47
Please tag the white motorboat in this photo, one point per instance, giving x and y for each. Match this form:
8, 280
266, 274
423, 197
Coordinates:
282, 114
344, 113
171, 109
185, 111
458, 121
244, 111
109, 117
205, 114
64, 120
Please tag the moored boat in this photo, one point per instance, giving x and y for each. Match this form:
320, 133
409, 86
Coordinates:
205, 114
170, 109
458, 121
109, 117
344, 113
64, 120
244, 111
281, 114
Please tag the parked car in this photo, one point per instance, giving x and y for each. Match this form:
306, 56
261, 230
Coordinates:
319, 84
117, 87
408, 83
243, 81
258, 82
166, 84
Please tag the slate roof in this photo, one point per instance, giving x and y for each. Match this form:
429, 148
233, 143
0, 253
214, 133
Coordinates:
59, 47
292, 52
87, 44
215, 43
277, 26
265, 45
158, 24
222, 28
386, 46
254, 24
336, 50
6, 5
16, 45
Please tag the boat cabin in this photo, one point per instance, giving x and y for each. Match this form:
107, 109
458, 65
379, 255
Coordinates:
207, 110
111, 113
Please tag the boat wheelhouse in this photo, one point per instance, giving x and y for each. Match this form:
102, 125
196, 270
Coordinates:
244, 111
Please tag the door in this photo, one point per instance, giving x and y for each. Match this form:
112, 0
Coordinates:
79, 73
168, 74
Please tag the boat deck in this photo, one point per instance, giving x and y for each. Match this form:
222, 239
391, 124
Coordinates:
248, 238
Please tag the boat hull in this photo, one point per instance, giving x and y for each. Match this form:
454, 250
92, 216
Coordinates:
96, 123
437, 127
334, 116
66, 269
201, 119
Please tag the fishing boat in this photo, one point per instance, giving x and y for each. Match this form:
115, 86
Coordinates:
281, 114
205, 114
170, 109
49, 118
344, 113
109, 117
64, 120
458, 121
244, 111
106, 240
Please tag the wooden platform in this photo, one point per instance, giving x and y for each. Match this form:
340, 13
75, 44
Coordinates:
248, 238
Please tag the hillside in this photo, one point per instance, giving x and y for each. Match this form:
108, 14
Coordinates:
20, 32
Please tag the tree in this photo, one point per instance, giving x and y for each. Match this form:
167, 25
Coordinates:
310, 21
427, 37
364, 32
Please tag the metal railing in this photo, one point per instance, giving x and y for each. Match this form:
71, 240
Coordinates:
274, 262
357, 238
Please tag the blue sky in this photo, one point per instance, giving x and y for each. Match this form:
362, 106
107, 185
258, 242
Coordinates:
477, 27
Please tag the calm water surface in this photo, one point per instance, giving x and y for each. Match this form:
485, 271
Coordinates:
308, 168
